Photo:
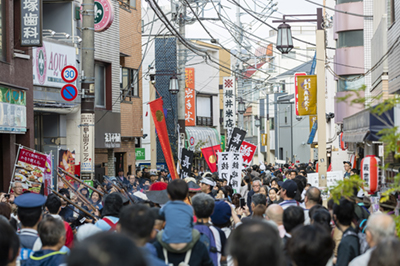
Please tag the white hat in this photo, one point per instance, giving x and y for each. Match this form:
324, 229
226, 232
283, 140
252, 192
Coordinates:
262, 167
87, 230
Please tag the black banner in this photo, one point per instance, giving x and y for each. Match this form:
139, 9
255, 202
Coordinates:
236, 140
186, 163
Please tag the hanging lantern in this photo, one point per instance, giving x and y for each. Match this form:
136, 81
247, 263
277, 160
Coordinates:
284, 42
343, 145
353, 161
370, 173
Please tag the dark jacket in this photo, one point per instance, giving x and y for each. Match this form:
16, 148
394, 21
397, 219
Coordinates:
249, 196
46, 258
348, 248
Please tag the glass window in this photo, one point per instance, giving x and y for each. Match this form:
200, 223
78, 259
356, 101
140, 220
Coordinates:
100, 85
350, 38
271, 123
347, 1
132, 3
130, 81
2, 30
348, 84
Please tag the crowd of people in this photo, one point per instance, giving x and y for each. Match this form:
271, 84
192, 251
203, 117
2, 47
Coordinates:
277, 218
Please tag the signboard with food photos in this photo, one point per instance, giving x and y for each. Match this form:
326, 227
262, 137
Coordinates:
30, 169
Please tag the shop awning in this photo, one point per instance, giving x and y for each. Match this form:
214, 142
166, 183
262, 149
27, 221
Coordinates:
200, 137
366, 125
355, 136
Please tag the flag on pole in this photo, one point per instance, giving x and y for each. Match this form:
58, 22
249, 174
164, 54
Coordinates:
157, 113
210, 155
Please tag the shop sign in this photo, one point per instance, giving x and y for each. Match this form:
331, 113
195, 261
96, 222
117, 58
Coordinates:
140, 154
103, 15
31, 23
190, 95
264, 139
87, 143
229, 102
49, 61
12, 110
112, 140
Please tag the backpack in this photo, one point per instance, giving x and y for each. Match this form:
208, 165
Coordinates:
183, 263
362, 240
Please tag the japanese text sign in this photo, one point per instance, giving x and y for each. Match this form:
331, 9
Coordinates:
31, 23
87, 136
224, 169
236, 172
236, 140
296, 91
247, 150
186, 163
190, 107
307, 95
229, 102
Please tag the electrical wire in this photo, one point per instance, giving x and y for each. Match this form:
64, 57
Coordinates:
339, 11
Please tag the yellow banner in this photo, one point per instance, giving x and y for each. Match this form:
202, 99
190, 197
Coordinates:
307, 93
264, 139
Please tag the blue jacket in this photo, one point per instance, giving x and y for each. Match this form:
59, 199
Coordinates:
46, 258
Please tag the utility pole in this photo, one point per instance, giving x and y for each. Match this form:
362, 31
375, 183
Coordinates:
88, 89
181, 70
321, 116
239, 64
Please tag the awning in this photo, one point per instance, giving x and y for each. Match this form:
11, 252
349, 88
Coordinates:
201, 137
365, 126
355, 136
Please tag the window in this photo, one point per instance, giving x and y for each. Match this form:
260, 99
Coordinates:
348, 84
130, 81
100, 85
203, 106
271, 123
2, 30
350, 38
347, 1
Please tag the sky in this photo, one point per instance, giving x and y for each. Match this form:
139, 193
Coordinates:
218, 31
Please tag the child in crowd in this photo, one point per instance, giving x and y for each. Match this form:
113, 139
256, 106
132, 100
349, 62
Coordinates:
178, 215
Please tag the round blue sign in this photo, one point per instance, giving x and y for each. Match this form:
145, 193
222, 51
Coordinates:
69, 92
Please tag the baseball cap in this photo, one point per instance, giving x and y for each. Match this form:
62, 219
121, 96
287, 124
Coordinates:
290, 186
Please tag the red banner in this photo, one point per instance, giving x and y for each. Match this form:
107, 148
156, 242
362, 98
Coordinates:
157, 112
190, 101
210, 155
247, 150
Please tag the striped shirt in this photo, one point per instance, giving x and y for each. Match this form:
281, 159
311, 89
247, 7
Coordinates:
286, 203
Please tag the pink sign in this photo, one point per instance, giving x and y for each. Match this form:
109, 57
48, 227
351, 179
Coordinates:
247, 150
103, 15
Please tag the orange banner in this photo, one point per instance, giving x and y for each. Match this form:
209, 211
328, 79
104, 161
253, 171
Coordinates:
157, 113
307, 95
190, 98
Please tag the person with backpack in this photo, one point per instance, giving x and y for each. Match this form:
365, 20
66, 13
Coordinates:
112, 206
203, 205
349, 246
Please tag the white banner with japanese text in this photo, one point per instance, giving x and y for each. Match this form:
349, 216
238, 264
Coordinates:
229, 102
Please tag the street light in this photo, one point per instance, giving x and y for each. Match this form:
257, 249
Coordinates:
257, 121
284, 42
241, 107
173, 85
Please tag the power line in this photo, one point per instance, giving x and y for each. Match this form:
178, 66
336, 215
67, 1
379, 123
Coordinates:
340, 11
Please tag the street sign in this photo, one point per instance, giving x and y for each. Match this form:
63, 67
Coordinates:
69, 74
69, 92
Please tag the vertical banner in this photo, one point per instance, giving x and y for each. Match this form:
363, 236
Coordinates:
66, 161
48, 174
236, 172
307, 95
223, 142
210, 155
313, 118
157, 112
229, 102
224, 169
87, 144
236, 140
296, 91
31, 23
29, 169
247, 150
264, 139
190, 98
186, 163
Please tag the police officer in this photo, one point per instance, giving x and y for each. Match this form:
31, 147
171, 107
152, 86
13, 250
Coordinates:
29, 213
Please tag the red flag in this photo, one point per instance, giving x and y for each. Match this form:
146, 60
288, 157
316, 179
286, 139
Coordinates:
248, 150
210, 155
156, 108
